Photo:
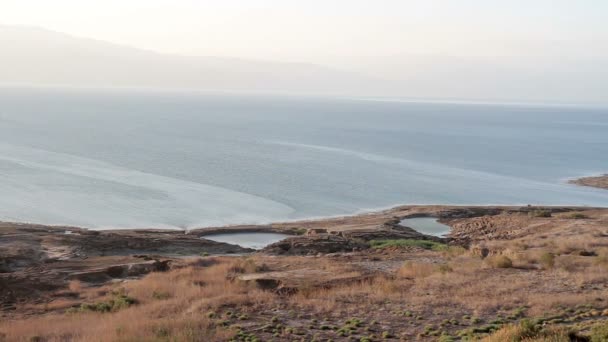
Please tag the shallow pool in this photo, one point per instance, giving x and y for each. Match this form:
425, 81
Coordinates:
426, 225
247, 240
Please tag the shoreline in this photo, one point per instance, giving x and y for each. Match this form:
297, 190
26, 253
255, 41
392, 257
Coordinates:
219, 229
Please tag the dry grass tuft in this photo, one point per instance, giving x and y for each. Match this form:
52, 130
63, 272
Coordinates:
499, 261
528, 332
417, 270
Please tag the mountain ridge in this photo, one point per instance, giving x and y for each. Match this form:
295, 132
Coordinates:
38, 56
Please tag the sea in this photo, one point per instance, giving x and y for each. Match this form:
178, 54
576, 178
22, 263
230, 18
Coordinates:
108, 158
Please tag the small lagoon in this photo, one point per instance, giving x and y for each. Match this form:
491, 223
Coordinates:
426, 225
248, 240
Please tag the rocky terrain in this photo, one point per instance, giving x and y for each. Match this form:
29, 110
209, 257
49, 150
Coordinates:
36, 259
359, 278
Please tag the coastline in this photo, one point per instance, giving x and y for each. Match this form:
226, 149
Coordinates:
273, 224
359, 220
595, 181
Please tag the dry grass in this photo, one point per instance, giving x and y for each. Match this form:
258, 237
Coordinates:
411, 292
191, 292
417, 270
524, 333
190, 303
499, 261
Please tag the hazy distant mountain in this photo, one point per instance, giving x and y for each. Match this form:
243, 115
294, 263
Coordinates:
557, 76
551, 73
42, 57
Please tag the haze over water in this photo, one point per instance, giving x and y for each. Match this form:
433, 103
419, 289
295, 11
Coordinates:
105, 159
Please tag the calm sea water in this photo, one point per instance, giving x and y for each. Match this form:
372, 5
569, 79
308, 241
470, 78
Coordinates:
152, 159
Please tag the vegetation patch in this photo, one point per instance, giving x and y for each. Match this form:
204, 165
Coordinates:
499, 261
547, 260
120, 301
540, 213
528, 330
599, 333
160, 295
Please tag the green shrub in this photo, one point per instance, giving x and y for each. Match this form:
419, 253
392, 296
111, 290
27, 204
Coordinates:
386, 334
120, 301
476, 320
599, 333
540, 213
578, 216
445, 338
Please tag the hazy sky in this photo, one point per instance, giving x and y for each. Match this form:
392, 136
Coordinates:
328, 31
540, 50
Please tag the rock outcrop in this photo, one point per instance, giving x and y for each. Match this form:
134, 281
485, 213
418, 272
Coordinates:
313, 244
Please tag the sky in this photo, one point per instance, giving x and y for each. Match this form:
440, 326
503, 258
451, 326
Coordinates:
512, 49
327, 31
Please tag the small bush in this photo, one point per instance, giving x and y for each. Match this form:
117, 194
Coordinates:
248, 266
499, 261
445, 338
386, 334
161, 331
547, 260
417, 270
120, 301
528, 331
453, 251
161, 295
445, 268
577, 216
540, 213
599, 333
